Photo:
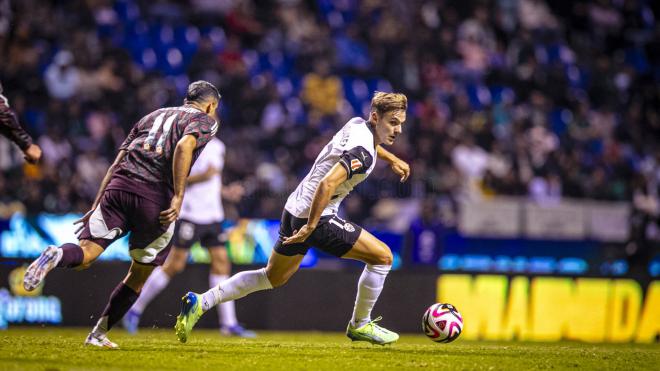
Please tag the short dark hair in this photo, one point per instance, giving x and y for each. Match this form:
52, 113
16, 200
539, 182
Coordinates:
200, 91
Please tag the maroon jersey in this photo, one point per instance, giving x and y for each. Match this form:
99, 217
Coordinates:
10, 127
150, 146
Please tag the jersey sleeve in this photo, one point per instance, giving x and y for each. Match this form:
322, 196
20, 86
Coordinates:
10, 127
203, 128
356, 160
129, 139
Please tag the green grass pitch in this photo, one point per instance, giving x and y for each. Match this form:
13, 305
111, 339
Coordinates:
49, 348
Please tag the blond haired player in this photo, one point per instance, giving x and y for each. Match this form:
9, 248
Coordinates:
310, 220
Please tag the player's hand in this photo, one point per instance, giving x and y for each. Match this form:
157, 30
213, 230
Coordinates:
299, 235
401, 168
83, 221
32, 154
170, 215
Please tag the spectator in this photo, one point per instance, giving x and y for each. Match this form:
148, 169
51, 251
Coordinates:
471, 161
322, 91
55, 146
62, 76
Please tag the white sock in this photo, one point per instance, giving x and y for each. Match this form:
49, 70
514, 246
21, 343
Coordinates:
236, 287
369, 287
226, 310
154, 285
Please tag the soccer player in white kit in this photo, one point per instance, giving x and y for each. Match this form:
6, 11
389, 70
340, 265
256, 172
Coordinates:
310, 220
200, 220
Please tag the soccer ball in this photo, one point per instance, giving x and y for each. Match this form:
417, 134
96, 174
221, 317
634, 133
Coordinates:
442, 323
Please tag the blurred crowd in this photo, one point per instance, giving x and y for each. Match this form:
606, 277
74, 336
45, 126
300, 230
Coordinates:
537, 98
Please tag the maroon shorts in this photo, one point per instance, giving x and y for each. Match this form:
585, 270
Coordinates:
120, 212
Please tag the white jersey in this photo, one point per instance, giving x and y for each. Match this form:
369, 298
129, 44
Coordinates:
202, 202
352, 147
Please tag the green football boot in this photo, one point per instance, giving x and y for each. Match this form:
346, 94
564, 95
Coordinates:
191, 311
372, 333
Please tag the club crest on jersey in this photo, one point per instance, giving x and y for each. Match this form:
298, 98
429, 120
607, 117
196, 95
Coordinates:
355, 164
349, 227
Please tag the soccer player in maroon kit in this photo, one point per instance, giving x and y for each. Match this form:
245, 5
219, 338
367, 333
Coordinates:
10, 128
141, 193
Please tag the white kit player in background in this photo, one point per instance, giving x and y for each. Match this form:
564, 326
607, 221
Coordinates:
310, 220
200, 220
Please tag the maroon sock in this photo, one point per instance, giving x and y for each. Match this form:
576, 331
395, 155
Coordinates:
121, 300
72, 256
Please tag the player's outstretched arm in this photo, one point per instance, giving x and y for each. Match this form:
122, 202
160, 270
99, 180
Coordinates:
400, 167
106, 179
183, 154
10, 128
326, 188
